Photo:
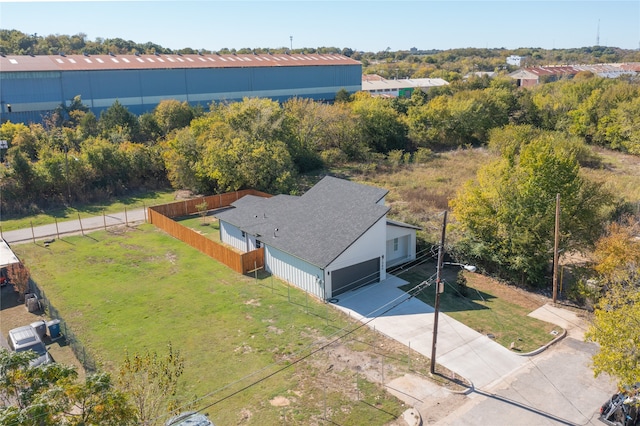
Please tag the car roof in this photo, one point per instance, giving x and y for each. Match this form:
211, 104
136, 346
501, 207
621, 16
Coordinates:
24, 335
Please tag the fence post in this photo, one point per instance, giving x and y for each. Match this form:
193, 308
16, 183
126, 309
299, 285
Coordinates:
409, 362
57, 231
255, 270
104, 219
80, 221
33, 235
126, 219
144, 209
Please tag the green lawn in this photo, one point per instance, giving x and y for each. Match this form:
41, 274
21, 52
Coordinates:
488, 307
146, 199
207, 226
141, 289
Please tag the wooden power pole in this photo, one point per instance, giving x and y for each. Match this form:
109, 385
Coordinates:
555, 250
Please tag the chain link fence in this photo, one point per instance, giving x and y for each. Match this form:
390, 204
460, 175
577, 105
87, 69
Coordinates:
82, 355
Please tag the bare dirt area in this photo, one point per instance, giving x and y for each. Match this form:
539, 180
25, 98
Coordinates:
347, 363
14, 313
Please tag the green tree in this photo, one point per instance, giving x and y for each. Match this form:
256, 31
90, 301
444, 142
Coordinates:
118, 124
615, 329
305, 123
49, 395
380, 124
172, 114
151, 381
183, 155
507, 215
342, 96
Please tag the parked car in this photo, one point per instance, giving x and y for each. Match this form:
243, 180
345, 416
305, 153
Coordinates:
622, 409
27, 339
190, 418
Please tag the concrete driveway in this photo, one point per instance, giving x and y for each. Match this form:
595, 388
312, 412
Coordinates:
410, 321
555, 387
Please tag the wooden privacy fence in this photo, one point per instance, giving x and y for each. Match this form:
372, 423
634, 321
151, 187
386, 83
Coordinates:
161, 216
187, 207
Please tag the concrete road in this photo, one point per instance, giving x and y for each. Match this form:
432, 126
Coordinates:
556, 387
77, 226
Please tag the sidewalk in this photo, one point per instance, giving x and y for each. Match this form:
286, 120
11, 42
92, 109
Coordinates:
68, 227
460, 349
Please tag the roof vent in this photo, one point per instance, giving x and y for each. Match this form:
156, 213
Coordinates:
61, 53
137, 53
111, 54
85, 53
218, 53
156, 53
200, 52
179, 54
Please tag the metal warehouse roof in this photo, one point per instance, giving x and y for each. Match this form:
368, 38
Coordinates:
162, 61
370, 84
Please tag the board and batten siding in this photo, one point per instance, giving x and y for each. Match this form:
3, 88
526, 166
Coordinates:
369, 246
295, 271
232, 235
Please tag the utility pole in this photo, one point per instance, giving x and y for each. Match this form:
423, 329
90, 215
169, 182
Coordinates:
555, 249
291, 40
439, 289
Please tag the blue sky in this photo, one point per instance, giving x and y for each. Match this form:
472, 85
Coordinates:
360, 25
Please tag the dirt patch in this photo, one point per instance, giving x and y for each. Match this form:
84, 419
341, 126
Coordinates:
280, 401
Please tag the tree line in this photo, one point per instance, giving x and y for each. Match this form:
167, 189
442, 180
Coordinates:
75, 156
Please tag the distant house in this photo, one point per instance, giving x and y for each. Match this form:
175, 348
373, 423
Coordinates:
514, 60
332, 239
402, 88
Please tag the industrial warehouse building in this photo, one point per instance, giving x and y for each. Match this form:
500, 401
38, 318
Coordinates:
33, 86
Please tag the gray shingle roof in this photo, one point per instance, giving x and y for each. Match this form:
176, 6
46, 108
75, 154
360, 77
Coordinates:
317, 226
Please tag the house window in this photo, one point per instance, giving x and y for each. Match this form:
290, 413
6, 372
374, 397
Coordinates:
258, 244
395, 244
243, 234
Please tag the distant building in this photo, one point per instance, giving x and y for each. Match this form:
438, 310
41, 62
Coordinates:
403, 88
528, 77
33, 86
514, 60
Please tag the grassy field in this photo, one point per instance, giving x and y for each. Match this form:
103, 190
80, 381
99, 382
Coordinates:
9, 223
140, 289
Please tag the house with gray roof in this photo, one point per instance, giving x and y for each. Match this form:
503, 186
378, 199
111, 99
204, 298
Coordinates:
333, 238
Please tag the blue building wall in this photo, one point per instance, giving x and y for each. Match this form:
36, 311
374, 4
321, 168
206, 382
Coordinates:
32, 95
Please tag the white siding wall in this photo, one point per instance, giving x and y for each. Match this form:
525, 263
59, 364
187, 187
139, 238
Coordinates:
368, 246
231, 235
251, 243
295, 271
406, 245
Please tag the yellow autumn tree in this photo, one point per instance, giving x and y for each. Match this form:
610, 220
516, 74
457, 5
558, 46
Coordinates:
616, 324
